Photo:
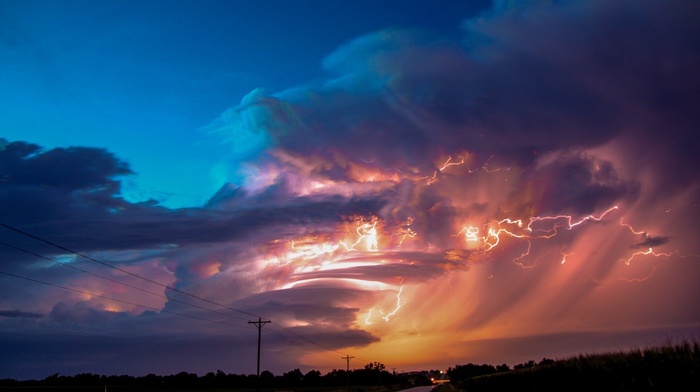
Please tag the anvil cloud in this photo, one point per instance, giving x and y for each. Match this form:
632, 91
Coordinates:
527, 188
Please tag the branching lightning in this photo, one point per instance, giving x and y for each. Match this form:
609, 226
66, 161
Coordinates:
541, 228
398, 305
367, 233
358, 242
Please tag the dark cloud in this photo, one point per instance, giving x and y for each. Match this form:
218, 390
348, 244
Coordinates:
580, 184
82, 314
629, 58
71, 197
59, 184
336, 339
648, 241
335, 299
19, 313
74, 168
314, 312
541, 82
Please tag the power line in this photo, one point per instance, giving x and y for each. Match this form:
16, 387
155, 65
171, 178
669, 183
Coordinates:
311, 341
304, 342
260, 323
116, 281
174, 289
321, 346
115, 299
123, 270
347, 372
300, 341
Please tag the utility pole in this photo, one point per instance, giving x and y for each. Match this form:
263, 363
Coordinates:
347, 372
259, 324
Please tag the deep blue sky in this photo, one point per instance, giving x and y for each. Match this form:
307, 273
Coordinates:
144, 78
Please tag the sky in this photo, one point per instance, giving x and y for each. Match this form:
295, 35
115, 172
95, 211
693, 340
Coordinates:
418, 183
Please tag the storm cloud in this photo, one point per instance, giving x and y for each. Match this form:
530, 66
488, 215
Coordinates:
524, 181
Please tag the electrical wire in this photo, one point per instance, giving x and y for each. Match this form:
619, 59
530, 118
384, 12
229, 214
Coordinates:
317, 347
175, 289
116, 281
304, 341
117, 300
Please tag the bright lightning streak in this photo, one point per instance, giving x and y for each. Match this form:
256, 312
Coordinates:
367, 233
541, 228
449, 163
470, 233
649, 251
564, 256
538, 228
631, 228
405, 231
398, 305
369, 316
493, 233
566, 218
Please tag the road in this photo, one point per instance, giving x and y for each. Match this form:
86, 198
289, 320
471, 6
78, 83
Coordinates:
419, 389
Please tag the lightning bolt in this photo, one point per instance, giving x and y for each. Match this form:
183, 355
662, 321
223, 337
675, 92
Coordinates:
541, 227
568, 219
405, 231
398, 305
368, 318
564, 256
649, 251
366, 232
449, 163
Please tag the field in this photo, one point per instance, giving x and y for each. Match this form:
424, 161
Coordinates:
665, 368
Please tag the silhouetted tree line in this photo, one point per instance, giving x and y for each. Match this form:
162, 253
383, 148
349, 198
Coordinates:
372, 374
462, 372
667, 368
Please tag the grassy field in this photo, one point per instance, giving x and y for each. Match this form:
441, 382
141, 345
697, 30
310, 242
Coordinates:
665, 368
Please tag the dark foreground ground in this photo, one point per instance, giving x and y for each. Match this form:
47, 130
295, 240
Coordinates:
667, 368
102, 388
